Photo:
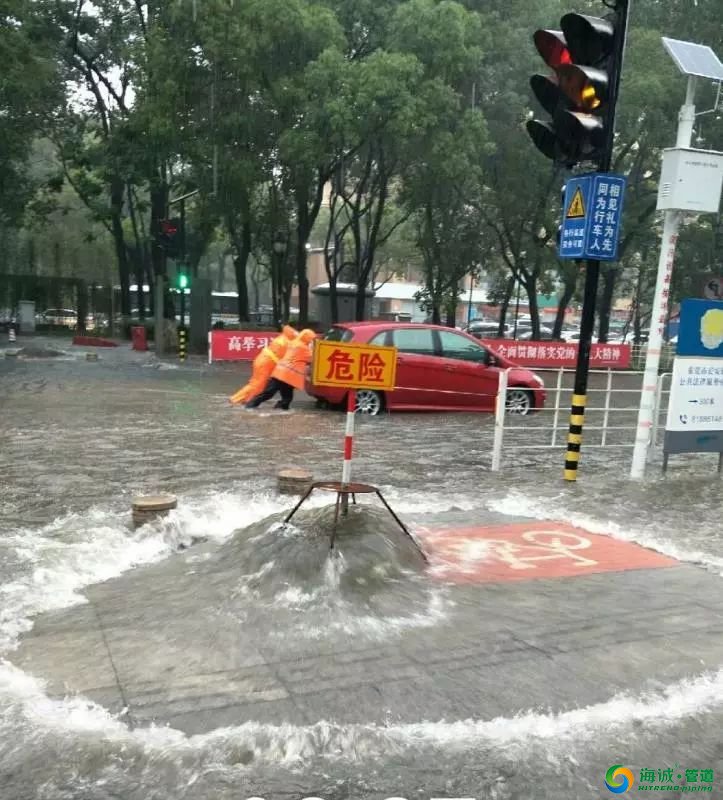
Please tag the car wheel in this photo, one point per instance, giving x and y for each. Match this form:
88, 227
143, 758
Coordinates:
369, 402
519, 401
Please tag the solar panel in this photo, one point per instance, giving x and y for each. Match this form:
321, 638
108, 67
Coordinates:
694, 59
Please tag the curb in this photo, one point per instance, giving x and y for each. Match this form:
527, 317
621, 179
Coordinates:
93, 341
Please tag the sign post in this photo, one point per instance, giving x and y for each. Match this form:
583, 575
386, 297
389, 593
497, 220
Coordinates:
352, 366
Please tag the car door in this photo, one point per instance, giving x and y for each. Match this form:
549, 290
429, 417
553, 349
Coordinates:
473, 381
421, 373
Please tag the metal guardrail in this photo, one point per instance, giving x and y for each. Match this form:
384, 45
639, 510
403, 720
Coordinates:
639, 351
610, 419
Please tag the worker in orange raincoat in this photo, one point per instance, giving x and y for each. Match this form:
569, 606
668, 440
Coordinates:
264, 364
289, 373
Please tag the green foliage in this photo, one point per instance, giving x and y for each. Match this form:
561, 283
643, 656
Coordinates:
408, 114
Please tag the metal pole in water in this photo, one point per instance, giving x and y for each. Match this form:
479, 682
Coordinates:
348, 444
672, 220
500, 408
646, 411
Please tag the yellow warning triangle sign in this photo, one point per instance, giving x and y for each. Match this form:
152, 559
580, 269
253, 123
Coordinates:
576, 208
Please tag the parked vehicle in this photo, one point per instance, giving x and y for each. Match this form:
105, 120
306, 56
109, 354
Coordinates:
524, 334
63, 318
482, 329
438, 369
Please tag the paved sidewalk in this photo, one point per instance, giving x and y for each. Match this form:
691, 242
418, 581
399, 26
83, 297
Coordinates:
193, 643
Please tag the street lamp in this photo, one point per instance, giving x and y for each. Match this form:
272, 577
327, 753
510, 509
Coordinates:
279, 251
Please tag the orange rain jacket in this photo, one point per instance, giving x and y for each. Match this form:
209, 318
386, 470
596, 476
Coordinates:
264, 364
292, 367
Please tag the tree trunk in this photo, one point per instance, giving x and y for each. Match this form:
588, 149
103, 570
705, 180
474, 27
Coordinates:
150, 282
81, 296
534, 309
360, 304
303, 229
139, 254
333, 299
436, 313
159, 195
286, 302
241, 241
451, 321
567, 295
221, 274
509, 288
609, 277
116, 212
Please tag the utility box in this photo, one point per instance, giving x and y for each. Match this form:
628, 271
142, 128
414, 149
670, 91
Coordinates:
690, 180
26, 316
345, 303
200, 315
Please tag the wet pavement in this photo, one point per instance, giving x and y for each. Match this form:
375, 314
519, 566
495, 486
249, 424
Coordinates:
216, 654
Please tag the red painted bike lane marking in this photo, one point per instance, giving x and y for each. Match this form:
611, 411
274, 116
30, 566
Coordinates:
530, 551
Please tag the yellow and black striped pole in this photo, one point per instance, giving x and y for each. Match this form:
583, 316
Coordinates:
182, 343
574, 436
579, 396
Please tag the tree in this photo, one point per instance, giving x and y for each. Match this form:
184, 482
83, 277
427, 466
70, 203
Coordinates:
30, 93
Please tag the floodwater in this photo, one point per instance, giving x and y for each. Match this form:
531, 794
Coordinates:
80, 439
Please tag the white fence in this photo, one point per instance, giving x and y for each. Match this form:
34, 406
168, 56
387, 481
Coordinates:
611, 413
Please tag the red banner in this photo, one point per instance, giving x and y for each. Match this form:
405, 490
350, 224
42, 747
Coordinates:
560, 354
237, 345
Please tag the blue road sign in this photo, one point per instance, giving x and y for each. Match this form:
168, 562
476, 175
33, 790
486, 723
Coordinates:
592, 213
574, 218
701, 328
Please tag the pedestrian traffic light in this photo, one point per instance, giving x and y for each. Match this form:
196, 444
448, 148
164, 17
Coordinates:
169, 237
182, 280
580, 94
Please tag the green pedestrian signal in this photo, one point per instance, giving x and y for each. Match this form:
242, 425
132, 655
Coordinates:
182, 280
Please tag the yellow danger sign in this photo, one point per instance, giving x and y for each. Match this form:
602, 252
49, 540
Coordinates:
353, 366
576, 208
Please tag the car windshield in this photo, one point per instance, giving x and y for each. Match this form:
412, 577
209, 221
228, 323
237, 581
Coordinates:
339, 335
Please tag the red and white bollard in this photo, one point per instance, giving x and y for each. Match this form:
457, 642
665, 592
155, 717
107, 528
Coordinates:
348, 445
11, 332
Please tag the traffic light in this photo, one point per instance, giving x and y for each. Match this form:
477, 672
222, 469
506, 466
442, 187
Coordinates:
169, 237
580, 94
182, 280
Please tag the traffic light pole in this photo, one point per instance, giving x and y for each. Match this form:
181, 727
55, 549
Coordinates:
592, 275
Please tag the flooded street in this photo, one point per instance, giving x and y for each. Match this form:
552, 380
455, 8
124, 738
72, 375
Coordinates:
362, 674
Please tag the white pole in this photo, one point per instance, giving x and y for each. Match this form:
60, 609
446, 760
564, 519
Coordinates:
672, 219
655, 343
500, 408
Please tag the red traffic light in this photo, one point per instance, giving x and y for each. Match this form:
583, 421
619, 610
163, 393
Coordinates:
551, 45
168, 227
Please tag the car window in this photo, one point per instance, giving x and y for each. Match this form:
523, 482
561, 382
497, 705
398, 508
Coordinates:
414, 340
382, 338
339, 335
461, 348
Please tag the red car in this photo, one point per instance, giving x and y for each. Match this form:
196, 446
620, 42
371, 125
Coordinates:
438, 369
